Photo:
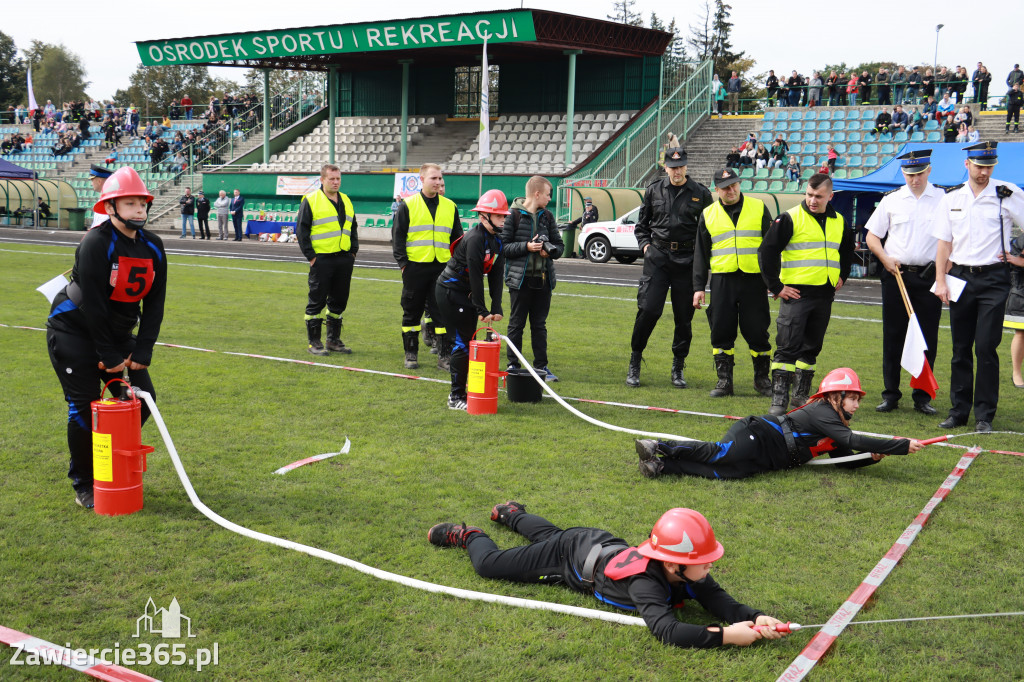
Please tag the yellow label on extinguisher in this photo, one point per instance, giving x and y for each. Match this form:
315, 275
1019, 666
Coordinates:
477, 377
102, 457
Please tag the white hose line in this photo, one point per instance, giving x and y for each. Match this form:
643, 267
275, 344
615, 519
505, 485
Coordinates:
363, 568
585, 417
866, 455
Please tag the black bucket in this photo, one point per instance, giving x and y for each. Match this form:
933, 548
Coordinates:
522, 387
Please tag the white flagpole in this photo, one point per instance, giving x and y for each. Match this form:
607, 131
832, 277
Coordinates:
485, 118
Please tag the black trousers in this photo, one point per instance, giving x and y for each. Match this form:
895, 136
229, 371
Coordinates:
534, 304
1013, 112
894, 328
418, 283
460, 320
236, 219
801, 327
74, 359
976, 321
741, 453
551, 557
204, 226
663, 273
329, 280
739, 298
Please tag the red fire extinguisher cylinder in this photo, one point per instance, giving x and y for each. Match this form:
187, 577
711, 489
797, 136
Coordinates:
119, 457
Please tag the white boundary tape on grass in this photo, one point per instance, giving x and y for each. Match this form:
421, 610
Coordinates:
315, 458
50, 654
363, 568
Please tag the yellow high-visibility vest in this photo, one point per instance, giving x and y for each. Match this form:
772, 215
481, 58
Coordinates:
734, 247
328, 234
812, 256
429, 237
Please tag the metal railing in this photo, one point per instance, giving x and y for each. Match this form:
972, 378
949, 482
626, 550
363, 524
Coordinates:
684, 102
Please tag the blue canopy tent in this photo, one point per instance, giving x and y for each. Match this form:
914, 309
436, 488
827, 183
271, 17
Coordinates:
10, 171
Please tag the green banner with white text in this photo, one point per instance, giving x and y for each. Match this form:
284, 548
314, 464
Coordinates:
464, 29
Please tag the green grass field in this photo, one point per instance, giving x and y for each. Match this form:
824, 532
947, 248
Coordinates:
796, 543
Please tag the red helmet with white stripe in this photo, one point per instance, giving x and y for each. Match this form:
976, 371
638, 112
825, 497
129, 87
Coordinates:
492, 201
682, 536
842, 379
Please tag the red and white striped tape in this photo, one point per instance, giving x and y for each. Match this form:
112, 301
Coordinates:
822, 641
315, 458
48, 653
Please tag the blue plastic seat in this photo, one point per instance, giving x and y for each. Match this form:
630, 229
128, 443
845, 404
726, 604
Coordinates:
769, 116
795, 125
839, 137
853, 137
856, 148
793, 187
794, 149
931, 124
807, 161
765, 137
809, 125
888, 149
782, 116
840, 174
853, 125
840, 147
868, 115
824, 125
794, 137
761, 186
854, 162
811, 116
796, 116
871, 161
838, 125
934, 137
871, 148
838, 115
775, 186
901, 136
746, 186
917, 137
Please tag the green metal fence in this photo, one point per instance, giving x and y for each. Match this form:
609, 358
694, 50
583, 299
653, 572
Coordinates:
684, 102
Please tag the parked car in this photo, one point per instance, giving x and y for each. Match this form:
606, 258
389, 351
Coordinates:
606, 238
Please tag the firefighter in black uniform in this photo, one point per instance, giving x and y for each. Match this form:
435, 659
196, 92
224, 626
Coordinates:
460, 287
728, 235
119, 281
758, 444
805, 257
666, 233
652, 579
328, 236
425, 224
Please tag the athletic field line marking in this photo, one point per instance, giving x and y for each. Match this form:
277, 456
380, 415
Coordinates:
822, 641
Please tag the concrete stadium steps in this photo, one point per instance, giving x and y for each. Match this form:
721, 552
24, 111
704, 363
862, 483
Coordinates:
709, 144
437, 143
993, 127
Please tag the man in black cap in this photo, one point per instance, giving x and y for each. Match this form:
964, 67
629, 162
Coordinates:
728, 235
903, 218
973, 226
203, 215
590, 215
98, 175
666, 233
1014, 98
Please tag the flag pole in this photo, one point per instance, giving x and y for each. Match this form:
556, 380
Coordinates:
903, 293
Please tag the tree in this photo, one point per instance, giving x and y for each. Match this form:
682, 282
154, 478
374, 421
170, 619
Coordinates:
675, 53
152, 88
12, 74
710, 37
624, 13
57, 73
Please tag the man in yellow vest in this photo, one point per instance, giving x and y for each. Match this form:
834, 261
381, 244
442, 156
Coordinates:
425, 224
326, 230
728, 234
805, 257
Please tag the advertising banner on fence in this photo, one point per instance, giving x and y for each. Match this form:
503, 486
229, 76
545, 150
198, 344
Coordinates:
297, 185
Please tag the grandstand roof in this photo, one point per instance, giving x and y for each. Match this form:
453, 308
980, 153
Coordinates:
453, 39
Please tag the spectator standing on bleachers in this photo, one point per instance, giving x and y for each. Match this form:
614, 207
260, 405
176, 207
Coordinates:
961, 79
238, 206
793, 169
1015, 77
718, 94
883, 87
188, 209
852, 90
222, 206
864, 83
900, 120
666, 234
733, 90
37, 119
974, 239
49, 110
530, 244
882, 122
771, 86
898, 81
97, 176
833, 84
778, 153
913, 85
1014, 99
814, 90
950, 129
805, 258
981, 79
943, 81
326, 229
728, 234
928, 88
425, 225
793, 84
831, 158
186, 106
203, 215
903, 218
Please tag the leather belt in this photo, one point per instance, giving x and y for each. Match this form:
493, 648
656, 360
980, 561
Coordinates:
977, 269
916, 268
594, 556
672, 246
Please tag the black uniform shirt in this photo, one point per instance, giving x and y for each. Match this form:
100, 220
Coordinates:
400, 227
670, 213
702, 253
769, 256
465, 269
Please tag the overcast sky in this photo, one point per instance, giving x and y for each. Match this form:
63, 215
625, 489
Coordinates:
780, 34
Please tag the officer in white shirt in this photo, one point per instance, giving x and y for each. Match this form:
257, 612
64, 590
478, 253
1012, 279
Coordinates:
904, 219
973, 228
98, 175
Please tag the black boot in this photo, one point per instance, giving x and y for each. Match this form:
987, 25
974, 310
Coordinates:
723, 367
678, 380
781, 379
411, 344
633, 375
334, 342
444, 352
429, 337
762, 375
802, 386
313, 329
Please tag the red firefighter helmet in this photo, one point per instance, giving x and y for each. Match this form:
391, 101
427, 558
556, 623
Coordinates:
682, 536
124, 182
842, 379
492, 201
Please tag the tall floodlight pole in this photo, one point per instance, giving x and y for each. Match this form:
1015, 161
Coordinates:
935, 61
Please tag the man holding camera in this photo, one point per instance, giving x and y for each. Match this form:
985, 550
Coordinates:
530, 242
